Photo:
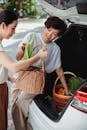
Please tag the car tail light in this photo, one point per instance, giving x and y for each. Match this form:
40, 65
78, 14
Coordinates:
80, 100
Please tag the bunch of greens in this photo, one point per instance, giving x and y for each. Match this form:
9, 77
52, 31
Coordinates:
74, 83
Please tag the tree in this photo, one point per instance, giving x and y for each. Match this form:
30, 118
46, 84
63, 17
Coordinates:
23, 7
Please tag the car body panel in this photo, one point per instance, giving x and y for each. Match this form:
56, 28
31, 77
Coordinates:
72, 119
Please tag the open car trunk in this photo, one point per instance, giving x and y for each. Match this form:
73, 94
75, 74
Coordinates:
43, 113
73, 46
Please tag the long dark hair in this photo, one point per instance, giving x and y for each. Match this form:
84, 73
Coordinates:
8, 16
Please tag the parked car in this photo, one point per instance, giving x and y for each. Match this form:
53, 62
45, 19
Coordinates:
43, 114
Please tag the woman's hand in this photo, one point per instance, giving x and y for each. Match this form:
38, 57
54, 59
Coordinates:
11, 79
20, 52
43, 53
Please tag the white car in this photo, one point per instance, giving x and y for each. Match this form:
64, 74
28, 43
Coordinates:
44, 116
42, 111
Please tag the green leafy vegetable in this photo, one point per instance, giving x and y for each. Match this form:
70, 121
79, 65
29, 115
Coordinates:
74, 84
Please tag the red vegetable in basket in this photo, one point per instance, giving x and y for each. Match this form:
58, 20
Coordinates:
61, 91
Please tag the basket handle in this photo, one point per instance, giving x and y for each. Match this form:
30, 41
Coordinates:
66, 72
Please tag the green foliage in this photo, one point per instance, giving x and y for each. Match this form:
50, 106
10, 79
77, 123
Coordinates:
74, 84
28, 8
28, 48
12, 5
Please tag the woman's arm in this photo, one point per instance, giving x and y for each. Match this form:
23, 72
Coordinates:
12, 66
60, 74
20, 52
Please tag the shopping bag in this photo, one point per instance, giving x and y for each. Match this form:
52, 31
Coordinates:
31, 80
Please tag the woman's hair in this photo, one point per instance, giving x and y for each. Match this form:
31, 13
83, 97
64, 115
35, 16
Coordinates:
56, 23
8, 16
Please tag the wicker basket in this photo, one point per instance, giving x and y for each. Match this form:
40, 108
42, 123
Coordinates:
61, 99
